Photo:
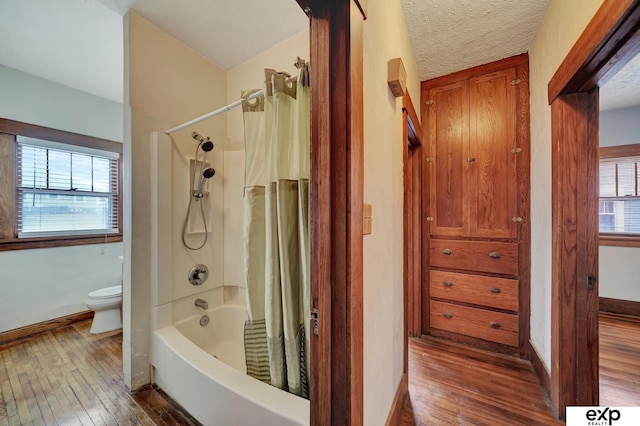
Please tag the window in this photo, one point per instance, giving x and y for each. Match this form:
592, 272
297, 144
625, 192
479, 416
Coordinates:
65, 190
57, 188
619, 208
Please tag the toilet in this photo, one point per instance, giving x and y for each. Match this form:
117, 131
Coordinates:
106, 303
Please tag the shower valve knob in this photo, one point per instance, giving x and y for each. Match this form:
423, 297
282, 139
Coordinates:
198, 274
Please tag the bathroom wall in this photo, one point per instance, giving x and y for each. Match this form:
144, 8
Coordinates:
561, 26
619, 266
249, 75
385, 37
42, 284
166, 83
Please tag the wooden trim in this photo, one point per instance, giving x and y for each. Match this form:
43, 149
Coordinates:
41, 327
514, 61
475, 342
413, 122
605, 46
540, 369
64, 241
574, 330
336, 193
402, 393
618, 306
619, 241
618, 151
55, 135
8, 186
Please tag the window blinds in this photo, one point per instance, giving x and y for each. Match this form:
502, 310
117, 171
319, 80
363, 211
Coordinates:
620, 195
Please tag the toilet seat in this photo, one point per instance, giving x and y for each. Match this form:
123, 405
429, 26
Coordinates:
106, 293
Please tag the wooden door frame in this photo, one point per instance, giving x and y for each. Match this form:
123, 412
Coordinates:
609, 41
336, 203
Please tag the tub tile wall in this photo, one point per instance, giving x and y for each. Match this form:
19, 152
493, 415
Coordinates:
233, 218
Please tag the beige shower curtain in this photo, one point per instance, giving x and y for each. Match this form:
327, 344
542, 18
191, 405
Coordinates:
276, 232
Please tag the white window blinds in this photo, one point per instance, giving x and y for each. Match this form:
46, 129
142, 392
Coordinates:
619, 195
65, 191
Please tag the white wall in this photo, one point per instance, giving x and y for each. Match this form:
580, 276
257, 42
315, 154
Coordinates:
166, 83
619, 267
561, 26
42, 284
385, 38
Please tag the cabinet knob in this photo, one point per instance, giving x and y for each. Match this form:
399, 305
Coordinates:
447, 315
494, 290
494, 254
447, 251
494, 324
447, 283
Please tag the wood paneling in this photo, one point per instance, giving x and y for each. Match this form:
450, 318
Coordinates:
480, 323
452, 384
575, 251
474, 289
68, 376
336, 212
493, 168
608, 42
8, 186
617, 306
448, 136
475, 256
402, 393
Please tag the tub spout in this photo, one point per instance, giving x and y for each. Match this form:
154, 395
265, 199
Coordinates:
202, 304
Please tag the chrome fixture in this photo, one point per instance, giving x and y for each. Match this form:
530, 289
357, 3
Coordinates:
202, 304
204, 320
198, 274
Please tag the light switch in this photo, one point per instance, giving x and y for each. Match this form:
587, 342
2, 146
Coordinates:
367, 218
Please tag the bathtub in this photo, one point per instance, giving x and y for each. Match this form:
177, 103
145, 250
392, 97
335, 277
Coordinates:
202, 368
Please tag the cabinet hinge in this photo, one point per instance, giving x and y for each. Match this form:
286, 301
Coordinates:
515, 82
429, 102
517, 219
516, 150
429, 219
429, 159
315, 321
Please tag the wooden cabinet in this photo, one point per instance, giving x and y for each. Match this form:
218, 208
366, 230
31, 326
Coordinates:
476, 285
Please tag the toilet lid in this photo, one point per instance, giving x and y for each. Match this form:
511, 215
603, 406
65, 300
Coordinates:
106, 292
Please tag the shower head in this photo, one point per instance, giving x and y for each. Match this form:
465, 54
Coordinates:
206, 174
207, 145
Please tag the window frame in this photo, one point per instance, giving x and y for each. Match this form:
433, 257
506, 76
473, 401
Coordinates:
8, 157
611, 238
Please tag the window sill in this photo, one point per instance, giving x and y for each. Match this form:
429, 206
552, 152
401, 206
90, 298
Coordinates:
619, 240
49, 242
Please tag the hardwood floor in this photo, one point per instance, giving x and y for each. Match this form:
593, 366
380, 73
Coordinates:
619, 360
451, 384
68, 377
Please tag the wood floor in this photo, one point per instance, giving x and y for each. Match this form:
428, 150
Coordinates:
69, 377
451, 384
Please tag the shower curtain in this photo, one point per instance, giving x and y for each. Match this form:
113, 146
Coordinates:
276, 231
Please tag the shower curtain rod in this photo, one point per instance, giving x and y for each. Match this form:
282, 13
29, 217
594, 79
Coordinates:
298, 64
214, 113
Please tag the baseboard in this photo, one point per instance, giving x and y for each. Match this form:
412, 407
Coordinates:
618, 306
540, 369
41, 327
395, 414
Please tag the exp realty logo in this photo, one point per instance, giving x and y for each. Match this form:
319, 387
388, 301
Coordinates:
603, 416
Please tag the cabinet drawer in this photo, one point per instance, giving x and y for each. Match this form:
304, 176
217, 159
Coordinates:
482, 256
488, 291
482, 324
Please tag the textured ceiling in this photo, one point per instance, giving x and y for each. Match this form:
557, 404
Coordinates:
453, 35
623, 89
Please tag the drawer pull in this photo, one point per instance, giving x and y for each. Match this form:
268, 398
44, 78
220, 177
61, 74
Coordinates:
447, 283
494, 254
495, 290
447, 315
447, 251
494, 324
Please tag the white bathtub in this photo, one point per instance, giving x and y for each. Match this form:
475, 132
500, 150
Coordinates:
203, 369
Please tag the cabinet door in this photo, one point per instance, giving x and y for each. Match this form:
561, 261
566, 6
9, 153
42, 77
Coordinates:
492, 138
448, 118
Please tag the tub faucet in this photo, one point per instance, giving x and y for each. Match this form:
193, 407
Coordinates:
202, 304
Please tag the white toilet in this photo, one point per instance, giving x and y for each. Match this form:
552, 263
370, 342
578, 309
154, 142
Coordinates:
106, 303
